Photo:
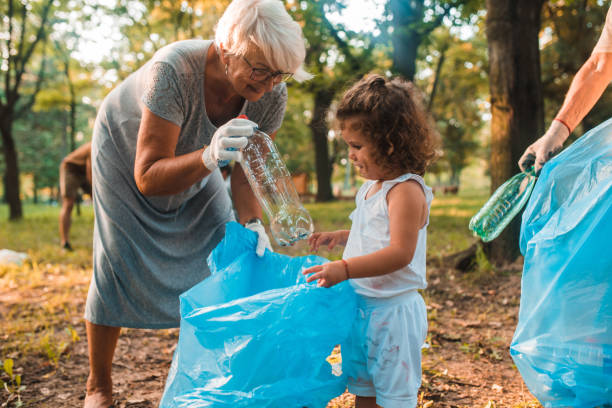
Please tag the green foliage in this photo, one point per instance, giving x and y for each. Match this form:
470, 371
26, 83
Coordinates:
454, 70
41, 127
148, 26
293, 140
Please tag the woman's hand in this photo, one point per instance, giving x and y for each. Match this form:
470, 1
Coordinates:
263, 241
545, 147
331, 239
328, 274
226, 141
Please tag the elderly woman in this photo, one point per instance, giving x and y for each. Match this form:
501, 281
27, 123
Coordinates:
159, 199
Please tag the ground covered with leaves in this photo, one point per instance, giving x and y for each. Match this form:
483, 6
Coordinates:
472, 316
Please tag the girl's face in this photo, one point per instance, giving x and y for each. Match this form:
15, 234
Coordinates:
361, 150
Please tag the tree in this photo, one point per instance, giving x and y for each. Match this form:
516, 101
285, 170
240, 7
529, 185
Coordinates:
337, 57
516, 98
26, 27
458, 74
149, 25
413, 21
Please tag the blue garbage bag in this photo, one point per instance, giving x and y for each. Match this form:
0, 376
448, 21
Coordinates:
563, 341
255, 334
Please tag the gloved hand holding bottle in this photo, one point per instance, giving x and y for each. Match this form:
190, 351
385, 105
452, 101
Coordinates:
225, 144
545, 148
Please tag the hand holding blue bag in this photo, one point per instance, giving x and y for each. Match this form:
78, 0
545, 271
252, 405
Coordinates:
254, 334
563, 341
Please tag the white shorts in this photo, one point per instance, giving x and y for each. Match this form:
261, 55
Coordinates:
382, 356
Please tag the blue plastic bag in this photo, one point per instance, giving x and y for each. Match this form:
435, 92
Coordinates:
563, 341
254, 334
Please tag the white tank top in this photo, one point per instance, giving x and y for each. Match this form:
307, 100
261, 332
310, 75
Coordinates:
605, 40
370, 233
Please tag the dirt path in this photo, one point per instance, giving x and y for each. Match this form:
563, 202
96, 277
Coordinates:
467, 364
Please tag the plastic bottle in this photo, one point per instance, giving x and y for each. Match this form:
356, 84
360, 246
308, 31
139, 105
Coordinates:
503, 206
272, 184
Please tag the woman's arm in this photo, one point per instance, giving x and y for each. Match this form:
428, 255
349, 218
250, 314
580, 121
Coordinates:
586, 89
407, 215
245, 201
157, 171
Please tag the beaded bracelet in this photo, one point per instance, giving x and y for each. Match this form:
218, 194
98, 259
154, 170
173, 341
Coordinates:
346, 269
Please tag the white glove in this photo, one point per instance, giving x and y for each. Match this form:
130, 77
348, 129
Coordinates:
263, 241
226, 141
545, 147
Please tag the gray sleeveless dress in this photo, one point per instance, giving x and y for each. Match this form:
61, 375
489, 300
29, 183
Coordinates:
148, 250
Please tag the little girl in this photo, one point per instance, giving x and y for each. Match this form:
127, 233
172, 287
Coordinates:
390, 143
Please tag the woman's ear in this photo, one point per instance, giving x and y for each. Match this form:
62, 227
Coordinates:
223, 54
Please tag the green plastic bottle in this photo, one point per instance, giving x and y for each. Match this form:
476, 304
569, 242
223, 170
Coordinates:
503, 205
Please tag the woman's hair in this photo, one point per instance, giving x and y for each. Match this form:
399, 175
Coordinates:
389, 113
266, 24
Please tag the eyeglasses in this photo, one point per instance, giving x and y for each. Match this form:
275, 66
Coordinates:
263, 74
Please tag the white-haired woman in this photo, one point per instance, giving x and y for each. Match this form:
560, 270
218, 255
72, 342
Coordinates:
159, 199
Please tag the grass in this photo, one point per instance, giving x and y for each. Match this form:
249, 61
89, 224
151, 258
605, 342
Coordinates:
41, 301
38, 320
36, 317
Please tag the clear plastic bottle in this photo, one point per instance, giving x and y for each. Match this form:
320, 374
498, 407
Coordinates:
503, 206
272, 184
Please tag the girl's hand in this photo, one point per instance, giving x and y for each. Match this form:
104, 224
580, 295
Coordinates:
331, 239
328, 274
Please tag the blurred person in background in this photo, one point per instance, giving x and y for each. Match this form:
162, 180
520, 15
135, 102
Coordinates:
75, 174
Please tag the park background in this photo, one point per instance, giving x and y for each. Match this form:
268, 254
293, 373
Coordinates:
492, 74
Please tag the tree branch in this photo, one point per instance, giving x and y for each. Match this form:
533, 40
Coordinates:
40, 34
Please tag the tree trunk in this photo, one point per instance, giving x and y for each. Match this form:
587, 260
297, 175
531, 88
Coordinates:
318, 126
35, 189
11, 177
405, 38
516, 98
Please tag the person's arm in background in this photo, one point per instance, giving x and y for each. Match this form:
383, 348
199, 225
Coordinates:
585, 90
88, 165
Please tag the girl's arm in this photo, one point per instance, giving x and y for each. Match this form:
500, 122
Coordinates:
407, 215
331, 239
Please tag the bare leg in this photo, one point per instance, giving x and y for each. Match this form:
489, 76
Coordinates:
101, 341
366, 402
65, 219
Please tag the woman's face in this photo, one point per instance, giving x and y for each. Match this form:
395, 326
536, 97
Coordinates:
251, 76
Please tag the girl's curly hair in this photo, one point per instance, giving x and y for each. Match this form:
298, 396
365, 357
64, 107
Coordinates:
389, 113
